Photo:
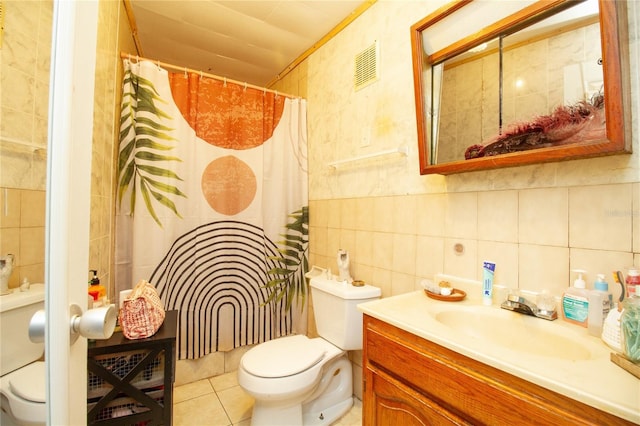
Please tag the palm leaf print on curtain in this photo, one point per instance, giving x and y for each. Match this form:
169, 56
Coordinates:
213, 206
140, 136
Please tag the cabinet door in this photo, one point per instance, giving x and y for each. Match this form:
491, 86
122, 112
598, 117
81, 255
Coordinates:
389, 402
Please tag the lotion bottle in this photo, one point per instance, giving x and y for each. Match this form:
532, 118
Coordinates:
575, 301
600, 302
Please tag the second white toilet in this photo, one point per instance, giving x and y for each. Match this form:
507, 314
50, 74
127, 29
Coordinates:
22, 384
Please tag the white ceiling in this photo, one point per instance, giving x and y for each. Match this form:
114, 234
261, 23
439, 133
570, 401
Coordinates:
244, 40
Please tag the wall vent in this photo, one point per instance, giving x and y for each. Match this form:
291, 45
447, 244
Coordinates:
366, 69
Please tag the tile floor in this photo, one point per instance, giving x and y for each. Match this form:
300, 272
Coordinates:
219, 401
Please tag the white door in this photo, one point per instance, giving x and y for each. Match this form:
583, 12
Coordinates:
68, 204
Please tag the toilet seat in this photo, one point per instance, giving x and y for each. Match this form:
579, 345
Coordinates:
23, 394
283, 357
29, 382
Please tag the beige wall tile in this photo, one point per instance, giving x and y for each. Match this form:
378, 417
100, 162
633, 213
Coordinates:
31, 245
333, 242
382, 250
348, 214
498, 216
32, 273
318, 244
429, 256
543, 268
10, 241
333, 213
402, 283
347, 241
543, 215
191, 370
364, 213
317, 213
33, 207
463, 265
430, 214
382, 279
461, 220
404, 254
505, 256
357, 382
363, 252
599, 217
10, 208
404, 214
383, 214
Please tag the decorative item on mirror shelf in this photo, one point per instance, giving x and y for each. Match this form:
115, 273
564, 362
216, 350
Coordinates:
566, 125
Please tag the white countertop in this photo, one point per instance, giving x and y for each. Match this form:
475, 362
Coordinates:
593, 379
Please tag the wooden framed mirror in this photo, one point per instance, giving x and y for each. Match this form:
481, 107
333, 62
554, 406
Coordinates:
531, 82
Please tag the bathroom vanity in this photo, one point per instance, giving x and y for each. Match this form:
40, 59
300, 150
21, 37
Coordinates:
428, 362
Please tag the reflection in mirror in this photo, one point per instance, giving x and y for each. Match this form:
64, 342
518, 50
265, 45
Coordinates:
533, 81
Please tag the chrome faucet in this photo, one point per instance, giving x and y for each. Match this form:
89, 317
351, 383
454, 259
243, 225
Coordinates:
519, 304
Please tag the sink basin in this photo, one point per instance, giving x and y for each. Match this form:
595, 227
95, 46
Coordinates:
515, 331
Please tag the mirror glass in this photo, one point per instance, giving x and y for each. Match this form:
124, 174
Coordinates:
528, 88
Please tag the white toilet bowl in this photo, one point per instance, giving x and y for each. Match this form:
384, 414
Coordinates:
296, 380
300, 381
22, 376
23, 396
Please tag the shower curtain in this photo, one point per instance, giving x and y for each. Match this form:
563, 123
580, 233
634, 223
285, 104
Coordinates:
212, 205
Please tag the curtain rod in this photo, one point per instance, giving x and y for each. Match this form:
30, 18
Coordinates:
129, 56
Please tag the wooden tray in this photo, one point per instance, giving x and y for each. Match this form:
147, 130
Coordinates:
455, 296
624, 362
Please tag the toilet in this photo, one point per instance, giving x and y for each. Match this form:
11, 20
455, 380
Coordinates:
296, 380
22, 383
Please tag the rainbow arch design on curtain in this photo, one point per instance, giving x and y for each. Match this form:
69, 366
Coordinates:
214, 275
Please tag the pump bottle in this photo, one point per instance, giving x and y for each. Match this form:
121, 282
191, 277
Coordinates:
96, 290
600, 302
575, 301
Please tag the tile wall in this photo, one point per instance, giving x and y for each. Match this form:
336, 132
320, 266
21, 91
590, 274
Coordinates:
25, 59
536, 222
22, 233
24, 96
114, 36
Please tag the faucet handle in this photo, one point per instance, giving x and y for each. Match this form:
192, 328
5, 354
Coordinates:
546, 306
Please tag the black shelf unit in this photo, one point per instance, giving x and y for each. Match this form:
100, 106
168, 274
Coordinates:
130, 382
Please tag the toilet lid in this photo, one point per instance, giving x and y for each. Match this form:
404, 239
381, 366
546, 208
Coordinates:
282, 357
28, 382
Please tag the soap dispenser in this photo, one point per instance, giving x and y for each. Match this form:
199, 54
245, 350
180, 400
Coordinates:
96, 290
575, 301
600, 303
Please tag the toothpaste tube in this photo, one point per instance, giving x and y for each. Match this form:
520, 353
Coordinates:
488, 270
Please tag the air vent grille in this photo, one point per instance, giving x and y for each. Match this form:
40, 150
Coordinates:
366, 66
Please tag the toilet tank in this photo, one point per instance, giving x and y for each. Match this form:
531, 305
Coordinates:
335, 310
16, 310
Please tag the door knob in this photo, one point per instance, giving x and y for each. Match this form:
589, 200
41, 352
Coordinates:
97, 323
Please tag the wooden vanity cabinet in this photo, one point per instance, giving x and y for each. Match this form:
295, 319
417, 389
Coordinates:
409, 380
